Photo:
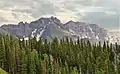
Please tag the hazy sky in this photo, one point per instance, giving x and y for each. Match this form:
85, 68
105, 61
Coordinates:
105, 13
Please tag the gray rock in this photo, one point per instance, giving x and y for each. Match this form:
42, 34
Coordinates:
52, 27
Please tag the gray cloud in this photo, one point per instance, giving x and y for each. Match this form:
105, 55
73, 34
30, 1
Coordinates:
85, 10
102, 12
43, 8
104, 19
3, 20
34, 7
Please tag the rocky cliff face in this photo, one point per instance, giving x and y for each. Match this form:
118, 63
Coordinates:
84, 30
52, 27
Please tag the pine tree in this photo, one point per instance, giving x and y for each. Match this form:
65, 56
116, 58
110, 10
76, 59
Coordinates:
58, 57
2, 52
23, 62
31, 62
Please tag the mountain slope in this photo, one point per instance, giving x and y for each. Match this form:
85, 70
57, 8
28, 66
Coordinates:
52, 27
84, 30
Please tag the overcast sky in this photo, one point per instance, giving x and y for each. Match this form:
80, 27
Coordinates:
105, 13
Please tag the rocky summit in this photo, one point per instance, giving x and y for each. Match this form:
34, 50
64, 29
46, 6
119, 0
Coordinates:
48, 28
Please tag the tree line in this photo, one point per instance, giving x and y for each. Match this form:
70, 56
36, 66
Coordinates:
62, 56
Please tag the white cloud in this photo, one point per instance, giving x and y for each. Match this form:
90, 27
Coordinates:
15, 17
66, 16
13, 11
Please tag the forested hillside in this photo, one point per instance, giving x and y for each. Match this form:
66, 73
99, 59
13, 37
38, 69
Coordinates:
58, 57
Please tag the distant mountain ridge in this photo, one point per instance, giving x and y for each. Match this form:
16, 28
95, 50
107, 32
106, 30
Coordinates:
52, 27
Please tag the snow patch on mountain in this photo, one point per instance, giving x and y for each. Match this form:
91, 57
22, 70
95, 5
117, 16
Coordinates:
91, 30
33, 33
52, 27
41, 32
97, 37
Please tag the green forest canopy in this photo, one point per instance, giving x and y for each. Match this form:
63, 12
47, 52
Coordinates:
58, 57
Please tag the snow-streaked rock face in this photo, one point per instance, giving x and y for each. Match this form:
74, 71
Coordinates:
52, 27
84, 30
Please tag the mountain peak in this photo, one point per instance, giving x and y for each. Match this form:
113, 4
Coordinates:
71, 21
52, 17
52, 27
20, 23
47, 20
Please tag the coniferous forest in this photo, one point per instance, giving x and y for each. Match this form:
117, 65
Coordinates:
58, 56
